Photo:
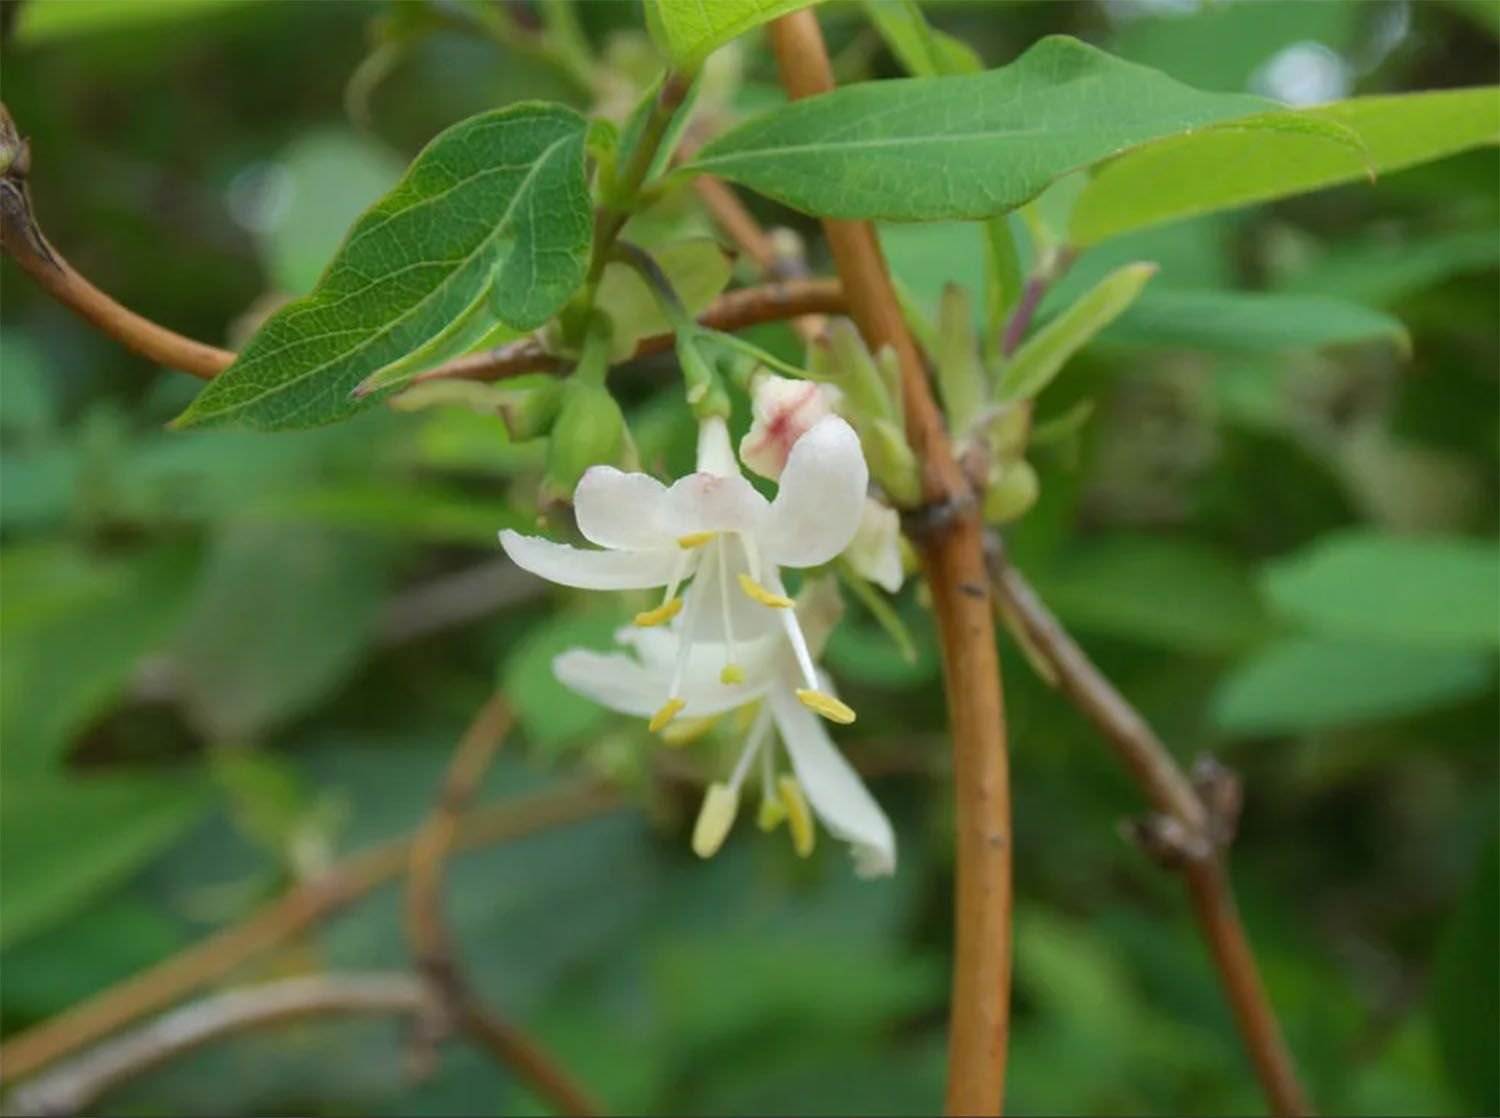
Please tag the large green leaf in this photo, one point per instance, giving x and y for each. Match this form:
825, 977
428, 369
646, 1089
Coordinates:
1308, 683
970, 146
1250, 322
1417, 590
74, 626
688, 31
491, 222
62, 841
1258, 159
280, 617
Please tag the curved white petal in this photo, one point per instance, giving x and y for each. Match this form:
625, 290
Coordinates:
657, 649
620, 510
837, 795
621, 682
822, 496
705, 502
589, 570
875, 553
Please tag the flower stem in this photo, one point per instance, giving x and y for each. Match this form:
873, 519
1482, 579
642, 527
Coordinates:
953, 558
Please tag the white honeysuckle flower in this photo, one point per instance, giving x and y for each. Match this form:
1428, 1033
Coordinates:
875, 552
713, 527
822, 782
782, 410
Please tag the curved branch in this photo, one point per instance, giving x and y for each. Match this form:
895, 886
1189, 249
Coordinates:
428, 934
953, 559
158, 987
1187, 834
75, 1086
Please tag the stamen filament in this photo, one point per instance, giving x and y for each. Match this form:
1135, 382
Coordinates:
732, 672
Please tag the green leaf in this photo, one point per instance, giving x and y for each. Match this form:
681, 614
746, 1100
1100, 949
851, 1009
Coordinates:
1251, 322
1466, 980
280, 617
64, 841
1171, 593
971, 146
1378, 271
698, 270
922, 51
46, 22
1313, 683
1044, 354
74, 627
688, 31
1278, 155
495, 207
1417, 590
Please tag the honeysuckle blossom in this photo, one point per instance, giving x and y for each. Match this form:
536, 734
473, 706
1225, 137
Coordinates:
714, 528
822, 783
782, 411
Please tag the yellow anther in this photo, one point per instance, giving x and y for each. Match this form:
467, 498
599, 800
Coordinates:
826, 705
732, 673
771, 815
685, 731
760, 594
664, 612
798, 818
667, 712
720, 805
694, 539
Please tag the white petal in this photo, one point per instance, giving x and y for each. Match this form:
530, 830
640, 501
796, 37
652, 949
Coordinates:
822, 496
620, 510
589, 570
876, 551
710, 503
622, 683
784, 410
837, 795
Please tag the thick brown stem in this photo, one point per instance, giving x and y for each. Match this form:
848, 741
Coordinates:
953, 559
1197, 833
160, 986
427, 931
76, 1086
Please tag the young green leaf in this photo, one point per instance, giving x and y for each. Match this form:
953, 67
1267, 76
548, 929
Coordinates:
1251, 322
1045, 353
922, 51
971, 146
688, 31
1280, 154
495, 210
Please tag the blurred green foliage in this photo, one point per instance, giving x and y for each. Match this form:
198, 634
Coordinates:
1275, 531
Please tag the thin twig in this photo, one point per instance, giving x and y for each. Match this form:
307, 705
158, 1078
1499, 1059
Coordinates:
732, 311
22, 238
1192, 842
427, 931
172, 979
953, 559
78, 1084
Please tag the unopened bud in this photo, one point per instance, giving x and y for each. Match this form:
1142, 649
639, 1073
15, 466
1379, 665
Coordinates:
529, 409
784, 410
589, 431
892, 462
1013, 488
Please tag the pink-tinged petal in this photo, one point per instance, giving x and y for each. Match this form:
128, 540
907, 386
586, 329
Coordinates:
712, 503
821, 499
620, 510
589, 570
834, 790
784, 411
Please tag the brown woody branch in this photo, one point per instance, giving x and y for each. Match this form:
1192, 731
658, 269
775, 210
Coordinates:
160, 986
77, 1085
427, 932
953, 559
1192, 823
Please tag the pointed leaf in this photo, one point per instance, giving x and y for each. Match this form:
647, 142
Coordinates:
688, 31
971, 146
1275, 156
1043, 356
1251, 322
497, 204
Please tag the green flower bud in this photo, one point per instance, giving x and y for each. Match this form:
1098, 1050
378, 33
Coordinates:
589, 431
891, 460
1012, 490
529, 410
960, 375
